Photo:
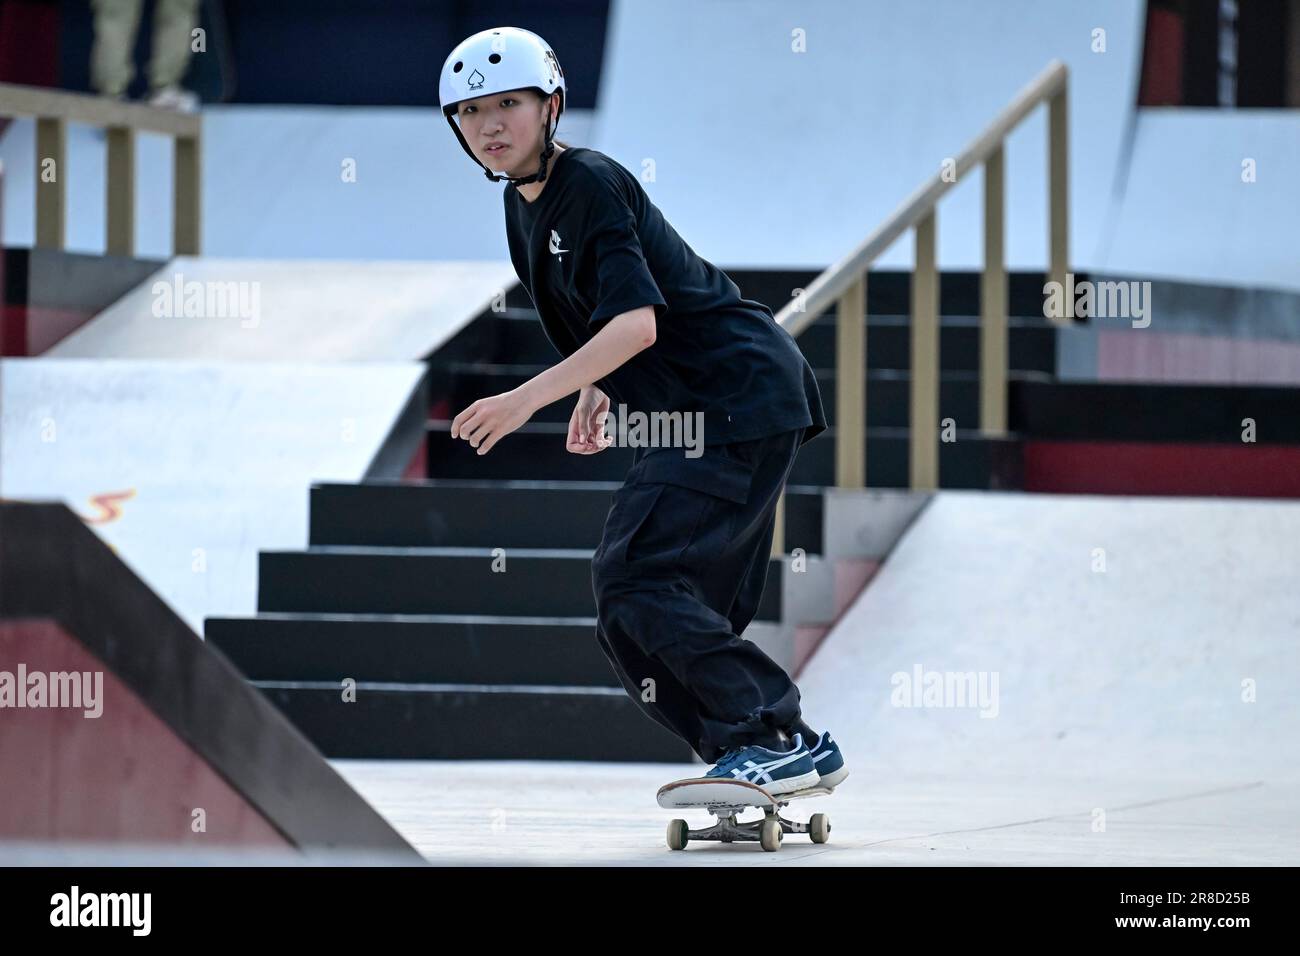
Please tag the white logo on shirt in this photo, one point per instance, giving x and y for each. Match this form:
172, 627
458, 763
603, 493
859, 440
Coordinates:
555, 245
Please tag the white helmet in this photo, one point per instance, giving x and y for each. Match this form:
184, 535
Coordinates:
496, 61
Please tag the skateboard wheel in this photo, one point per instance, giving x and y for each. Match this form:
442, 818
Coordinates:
677, 838
819, 827
769, 834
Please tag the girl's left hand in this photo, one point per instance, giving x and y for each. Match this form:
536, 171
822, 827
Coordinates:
490, 419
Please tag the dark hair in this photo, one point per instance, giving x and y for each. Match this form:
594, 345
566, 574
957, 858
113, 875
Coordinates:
542, 97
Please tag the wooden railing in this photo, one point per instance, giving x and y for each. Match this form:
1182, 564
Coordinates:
844, 286
53, 110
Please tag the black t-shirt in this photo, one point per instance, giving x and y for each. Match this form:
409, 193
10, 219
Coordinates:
593, 246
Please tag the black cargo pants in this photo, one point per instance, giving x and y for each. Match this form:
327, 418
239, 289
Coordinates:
677, 579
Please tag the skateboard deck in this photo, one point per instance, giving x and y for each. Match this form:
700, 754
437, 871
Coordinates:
726, 798
711, 793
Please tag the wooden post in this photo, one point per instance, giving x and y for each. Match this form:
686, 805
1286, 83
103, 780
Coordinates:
51, 182
924, 451
119, 185
993, 303
187, 219
1058, 185
778, 533
851, 386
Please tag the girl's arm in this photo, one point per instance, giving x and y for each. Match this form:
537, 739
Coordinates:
622, 337
490, 419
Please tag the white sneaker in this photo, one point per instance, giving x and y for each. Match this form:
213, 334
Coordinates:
175, 98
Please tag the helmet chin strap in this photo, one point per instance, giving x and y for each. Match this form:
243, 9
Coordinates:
540, 175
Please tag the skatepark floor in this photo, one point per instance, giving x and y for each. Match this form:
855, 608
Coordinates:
1139, 711
535, 813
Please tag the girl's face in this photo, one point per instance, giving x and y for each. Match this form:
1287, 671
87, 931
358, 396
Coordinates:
511, 123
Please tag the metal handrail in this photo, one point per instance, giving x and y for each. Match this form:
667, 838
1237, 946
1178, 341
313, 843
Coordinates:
843, 285
53, 110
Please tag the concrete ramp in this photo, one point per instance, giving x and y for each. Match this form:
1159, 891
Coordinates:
1182, 215
301, 311
119, 727
189, 469
784, 136
1122, 638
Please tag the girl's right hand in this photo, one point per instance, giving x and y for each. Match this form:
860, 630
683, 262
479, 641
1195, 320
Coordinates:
587, 423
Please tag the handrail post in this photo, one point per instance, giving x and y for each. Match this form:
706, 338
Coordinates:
993, 303
1058, 186
924, 451
119, 186
1050, 87
778, 529
851, 386
53, 110
186, 217
51, 193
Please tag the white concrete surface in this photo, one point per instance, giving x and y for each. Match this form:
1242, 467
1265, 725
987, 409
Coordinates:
282, 311
1119, 733
1187, 209
542, 814
1137, 669
765, 152
208, 463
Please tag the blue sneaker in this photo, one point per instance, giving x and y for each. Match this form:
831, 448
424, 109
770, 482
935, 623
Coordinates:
774, 770
828, 761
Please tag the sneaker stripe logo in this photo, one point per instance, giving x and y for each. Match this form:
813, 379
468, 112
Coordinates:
755, 772
760, 774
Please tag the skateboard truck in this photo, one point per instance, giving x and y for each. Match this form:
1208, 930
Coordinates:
727, 798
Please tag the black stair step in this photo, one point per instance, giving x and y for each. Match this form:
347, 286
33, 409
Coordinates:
1031, 343
1153, 412
518, 338
888, 397
447, 649
537, 451
361, 580
461, 513
889, 291
474, 722
520, 347
487, 513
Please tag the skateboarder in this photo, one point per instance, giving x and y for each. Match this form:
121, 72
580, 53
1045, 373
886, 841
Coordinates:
641, 319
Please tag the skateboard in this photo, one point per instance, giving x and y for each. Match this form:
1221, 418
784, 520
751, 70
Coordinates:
727, 798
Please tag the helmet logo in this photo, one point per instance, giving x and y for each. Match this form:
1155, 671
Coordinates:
476, 80
554, 64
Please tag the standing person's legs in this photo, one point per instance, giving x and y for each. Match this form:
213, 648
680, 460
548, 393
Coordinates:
653, 687
116, 22
751, 592
745, 603
679, 547
173, 23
